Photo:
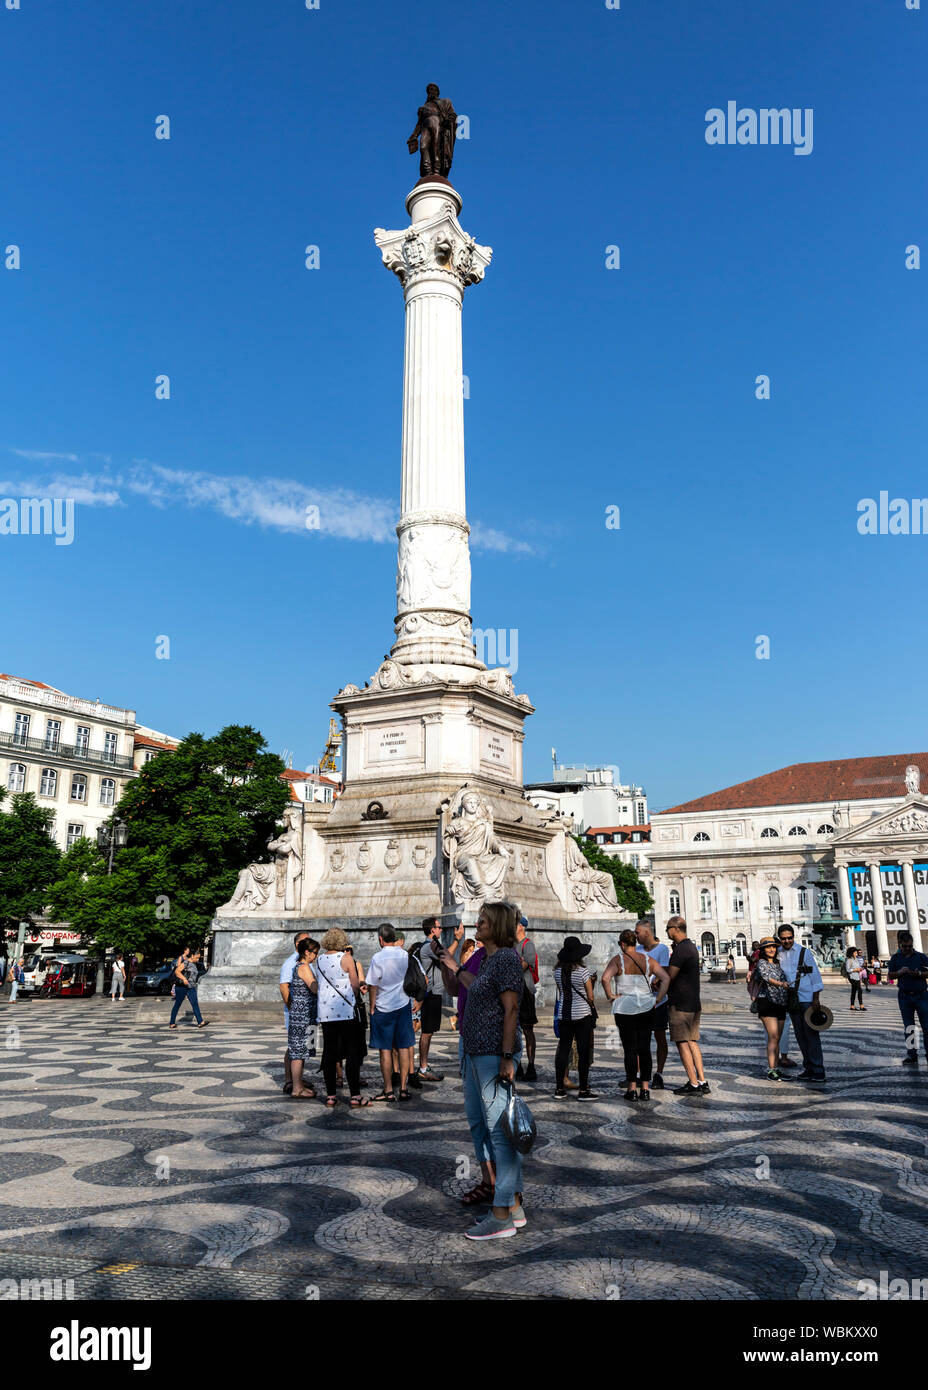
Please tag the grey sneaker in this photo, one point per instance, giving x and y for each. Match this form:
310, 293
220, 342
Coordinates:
519, 1219
492, 1228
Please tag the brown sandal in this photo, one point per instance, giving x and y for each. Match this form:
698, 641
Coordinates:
483, 1192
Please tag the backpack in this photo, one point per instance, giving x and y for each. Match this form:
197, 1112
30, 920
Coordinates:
414, 981
534, 962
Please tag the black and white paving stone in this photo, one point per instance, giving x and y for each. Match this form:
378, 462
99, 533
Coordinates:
140, 1163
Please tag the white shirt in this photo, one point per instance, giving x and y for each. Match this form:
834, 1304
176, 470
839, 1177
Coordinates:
387, 971
807, 984
336, 996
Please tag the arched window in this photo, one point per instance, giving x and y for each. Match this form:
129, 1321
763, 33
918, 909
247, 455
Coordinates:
768, 833
825, 830
78, 787
700, 835
803, 895
797, 830
740, 945
49, 783
674, 902
737, 902
773, 900
17, 778
705, 903
107, 791
707, 943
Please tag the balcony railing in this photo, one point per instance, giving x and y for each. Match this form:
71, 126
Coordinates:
76, 752
71, 704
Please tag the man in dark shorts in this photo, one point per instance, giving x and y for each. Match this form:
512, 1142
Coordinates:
685, 1008
659, 952
429, 954
528, 1015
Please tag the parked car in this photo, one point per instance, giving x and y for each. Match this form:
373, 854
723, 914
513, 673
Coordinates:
157, 980
70, 975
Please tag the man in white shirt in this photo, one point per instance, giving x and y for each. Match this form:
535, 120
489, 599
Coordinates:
391, 1013
286, 975
659, 952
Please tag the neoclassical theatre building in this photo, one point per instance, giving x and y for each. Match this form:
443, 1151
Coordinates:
838, 848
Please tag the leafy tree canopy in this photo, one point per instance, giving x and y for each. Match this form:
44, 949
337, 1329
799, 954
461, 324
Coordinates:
29, 858
194, 818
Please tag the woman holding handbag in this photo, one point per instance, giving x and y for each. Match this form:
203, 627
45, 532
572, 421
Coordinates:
633, 1003
576, 1017
338, 985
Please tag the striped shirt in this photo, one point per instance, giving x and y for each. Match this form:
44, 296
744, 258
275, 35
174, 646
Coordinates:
579, 1006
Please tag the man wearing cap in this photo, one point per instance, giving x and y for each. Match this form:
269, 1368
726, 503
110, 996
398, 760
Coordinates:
801, 969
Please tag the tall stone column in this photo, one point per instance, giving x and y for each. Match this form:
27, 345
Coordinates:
911, 903
879, 912
435, 261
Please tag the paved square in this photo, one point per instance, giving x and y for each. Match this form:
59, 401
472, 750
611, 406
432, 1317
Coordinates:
141, 1163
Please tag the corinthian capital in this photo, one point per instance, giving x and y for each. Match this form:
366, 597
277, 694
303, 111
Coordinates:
435, 247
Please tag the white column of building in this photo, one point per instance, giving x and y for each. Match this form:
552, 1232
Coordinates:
844, 899
911, 903
435, 261
879, 914
752, 907
721, 913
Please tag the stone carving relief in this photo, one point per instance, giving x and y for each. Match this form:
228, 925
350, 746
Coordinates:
906, 823
912, 777
478, 861
275, 887
437, 246
733, 828
590, 887
365, 856
670, 832
392, 855
420, 856
433, 570
337, 859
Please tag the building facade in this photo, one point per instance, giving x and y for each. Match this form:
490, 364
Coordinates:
591, 795
76, 756
630, 843
840, 849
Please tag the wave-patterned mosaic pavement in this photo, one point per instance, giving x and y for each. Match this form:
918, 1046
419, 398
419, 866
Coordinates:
141, 1163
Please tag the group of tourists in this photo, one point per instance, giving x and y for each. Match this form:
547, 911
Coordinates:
651, 987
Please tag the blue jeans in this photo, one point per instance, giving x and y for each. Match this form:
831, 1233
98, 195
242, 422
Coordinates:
182, 992
484, 1103
911, 1005
810, 1043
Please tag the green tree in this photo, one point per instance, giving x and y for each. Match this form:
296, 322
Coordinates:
194, 818
629, 890
29, 859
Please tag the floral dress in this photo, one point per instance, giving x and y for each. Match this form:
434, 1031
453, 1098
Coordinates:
301, 1037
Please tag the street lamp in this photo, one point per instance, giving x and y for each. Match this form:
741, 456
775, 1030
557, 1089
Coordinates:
111, 836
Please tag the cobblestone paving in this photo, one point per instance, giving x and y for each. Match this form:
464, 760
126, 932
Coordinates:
139, 1163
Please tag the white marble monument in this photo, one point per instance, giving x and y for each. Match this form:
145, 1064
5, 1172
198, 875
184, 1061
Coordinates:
433, 818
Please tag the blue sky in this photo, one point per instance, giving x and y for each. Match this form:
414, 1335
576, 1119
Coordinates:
588, 387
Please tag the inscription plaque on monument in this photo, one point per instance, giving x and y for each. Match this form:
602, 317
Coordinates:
400, 743
496, 749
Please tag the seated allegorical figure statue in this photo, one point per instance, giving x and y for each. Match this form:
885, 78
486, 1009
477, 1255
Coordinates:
478, 861
275, 884
588, 885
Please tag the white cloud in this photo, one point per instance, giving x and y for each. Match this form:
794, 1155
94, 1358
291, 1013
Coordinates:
276, 503
37, 456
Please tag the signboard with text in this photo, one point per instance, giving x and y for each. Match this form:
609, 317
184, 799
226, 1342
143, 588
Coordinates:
893, 890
